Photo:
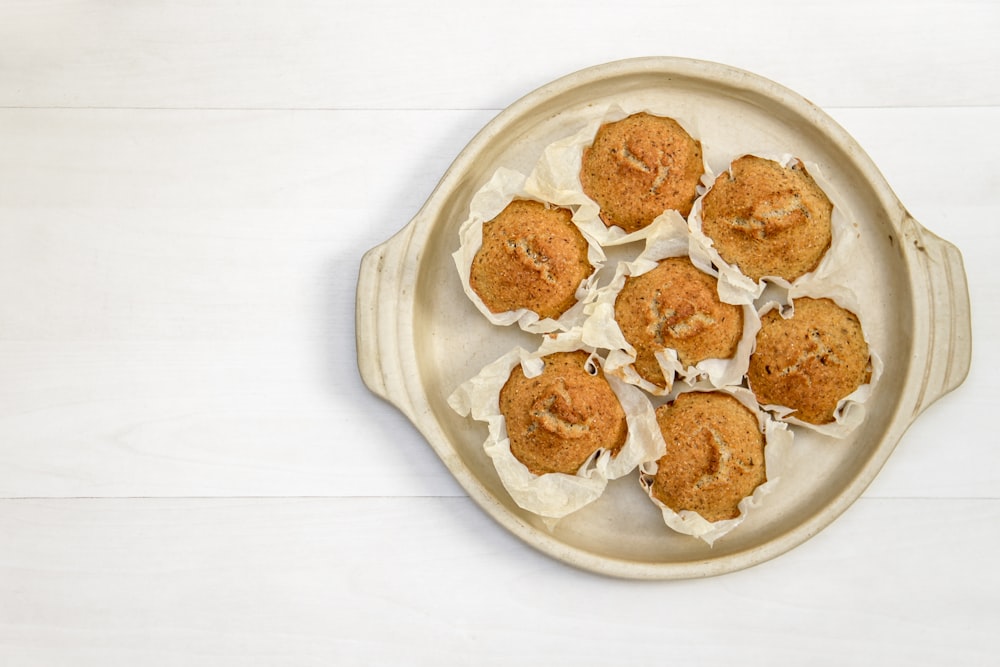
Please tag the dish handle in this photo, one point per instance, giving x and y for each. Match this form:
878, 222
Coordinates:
385, 287
943, 304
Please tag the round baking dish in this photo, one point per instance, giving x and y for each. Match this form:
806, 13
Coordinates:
419, 337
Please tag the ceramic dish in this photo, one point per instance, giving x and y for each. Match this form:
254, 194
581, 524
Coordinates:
419, 337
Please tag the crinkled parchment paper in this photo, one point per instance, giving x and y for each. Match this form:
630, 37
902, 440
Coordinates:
554, 495
778, 439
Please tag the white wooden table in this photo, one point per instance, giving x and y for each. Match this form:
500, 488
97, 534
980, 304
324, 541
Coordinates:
191, 470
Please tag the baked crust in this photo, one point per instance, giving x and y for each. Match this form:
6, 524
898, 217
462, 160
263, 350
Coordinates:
639, 167
767, 219
809, 361
714, 457
676, 305
533, 257
557, 420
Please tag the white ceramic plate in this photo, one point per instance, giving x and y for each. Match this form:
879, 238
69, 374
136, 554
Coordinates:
419, 337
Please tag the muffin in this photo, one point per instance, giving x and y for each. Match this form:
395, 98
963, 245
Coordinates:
768, 219
809, 361
532, 257
675, 305
639, 167
557, 420
714, 457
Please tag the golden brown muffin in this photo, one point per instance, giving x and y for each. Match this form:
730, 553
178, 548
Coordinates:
809, 361
533, 257
639, 167
555, 421
675, 305
767, 219
714, 458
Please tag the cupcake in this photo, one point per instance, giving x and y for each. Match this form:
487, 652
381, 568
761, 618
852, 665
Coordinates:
714, 455
558, 428
532, 257
557, 420
768, 219
640, 166
809, 361
676, 306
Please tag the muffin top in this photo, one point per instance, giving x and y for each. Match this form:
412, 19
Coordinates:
714, 457
532, 257
557, 420
639, 167
676, 305
809, 361
767, 219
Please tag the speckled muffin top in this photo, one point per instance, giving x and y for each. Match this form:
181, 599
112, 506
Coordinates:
639, 167
767, 219
809, 361
714, 457
557, 420
675, 305
533, 257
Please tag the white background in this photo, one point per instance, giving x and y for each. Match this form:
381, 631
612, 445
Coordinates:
191, 470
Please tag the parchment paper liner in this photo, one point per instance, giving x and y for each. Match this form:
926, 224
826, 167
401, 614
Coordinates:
556, 176
850, 412
734, 285
504, 186
778, 440
555, 495
668, 236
